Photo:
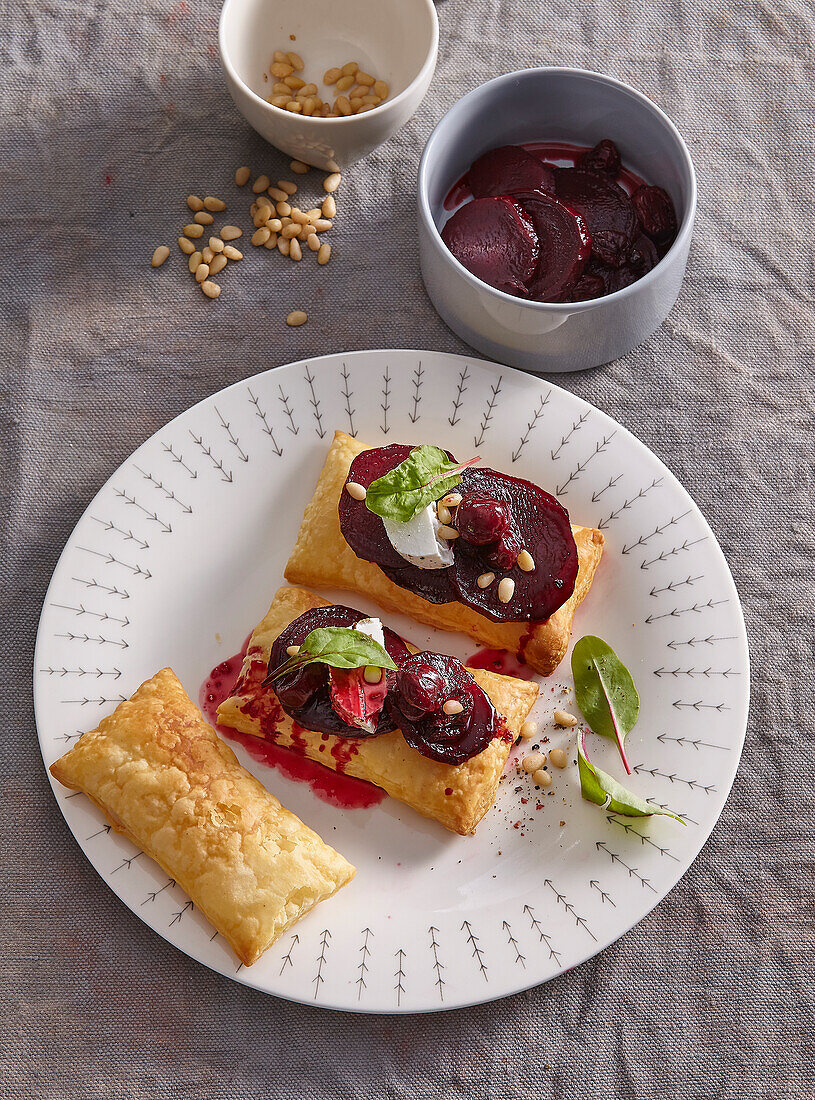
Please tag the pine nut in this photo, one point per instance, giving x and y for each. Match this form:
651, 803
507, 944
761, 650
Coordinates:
213, 203
232, 253
355, 104
372, 674
194, 261
287, 186
366, 107
260, 184
559, 758
280, 100
261, 236
299, 167
563, 718
452, 706
355, 490
313, 241
528, 730
324, 255
207, 254
294, 82
295, 251
533, 761
242, 175
332, 182
296, 318
443, 513
542, 778
283, 209
281, 69
322, 224
194, 230
262, 217
231, 233
186, 245
290, 231
485, 580
452, 500
349, 68
381, 89
329, 207
444, 532
294, 108
309, 89
281, 89
372, 99
343, 106
283, 246
299, 216
201, 272
526, 562
272, 242
275, 224
344, 83
219, 262
203, 217
506, 589
296, 61
365, 78
216, 244
292, 650
212, 290
277, 194
331, 76
195, 204
314, 214
278, 55
310, 105
160, 255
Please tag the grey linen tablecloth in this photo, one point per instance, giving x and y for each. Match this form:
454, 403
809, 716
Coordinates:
111, 113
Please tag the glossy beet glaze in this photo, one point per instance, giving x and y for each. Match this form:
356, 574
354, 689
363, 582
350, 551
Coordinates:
305, 695
498, 517
630, 225
448, 738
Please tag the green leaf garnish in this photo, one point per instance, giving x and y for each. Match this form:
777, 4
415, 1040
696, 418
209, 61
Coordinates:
605, 691
427, 474
337, 646
599, 787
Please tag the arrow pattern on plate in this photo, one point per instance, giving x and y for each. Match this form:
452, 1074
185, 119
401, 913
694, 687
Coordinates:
543, 401
103, 616
386, 400
478, 951
417, 393
666, 554
543, 937
624, 507
399, 974
438, 966
206, 451
347, 394
315, 404
318, 979
513, 943
629, 828
230, 435
570, 909
179, 460
564, 439
694, 784
287, 412
128, 536
643, 539
288, 957
461, 389
152, 516
492, 404
362, 965
261, 415
600, 845
580, 468
111, 559
162, 488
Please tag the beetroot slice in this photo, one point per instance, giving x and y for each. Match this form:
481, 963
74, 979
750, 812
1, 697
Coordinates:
542, 527
508, 169
604, 157
317, 713
565, 245
604, 206
655, 210
494, 239
365, 532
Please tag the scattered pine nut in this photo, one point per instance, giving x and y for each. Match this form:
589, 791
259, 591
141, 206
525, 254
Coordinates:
329, 207
290, 231
203, 217
452, 500
563, 718
296, 61
313, 241
444, 532
261, 236
201, 272
506, 589
283, 246
292, 650
232, 253
365, 78
343, 106
533, 761
299, 216
321, 225
213, 203
294, 107
528, 730
526, 562
372, 674
194, 260
216, 244
485, 580
194, 230
272, 242
349, 68
280, 100
559, 758
331, 76
299, 167
186, 245
280, 69
345, 83
324, 255
242, 175
355, 490
212, 290
542, 778
452, 706
195, 204
277, 194
381, 89
231, 233
260, 184
284, 209
207, 254
287, 186
160, 255
443, 512
296, 318
295, 251
219, 262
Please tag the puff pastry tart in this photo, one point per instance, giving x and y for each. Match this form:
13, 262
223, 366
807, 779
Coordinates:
430, 732
164, 779
496, 559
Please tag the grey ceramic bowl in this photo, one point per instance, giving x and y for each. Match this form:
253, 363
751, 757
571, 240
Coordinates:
551, 104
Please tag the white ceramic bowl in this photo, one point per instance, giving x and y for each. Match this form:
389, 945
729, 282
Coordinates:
394, 40
552, 104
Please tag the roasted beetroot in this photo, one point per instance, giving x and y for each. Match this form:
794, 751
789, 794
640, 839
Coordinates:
604, 206
564, 245
494, 239
656, 213
508, 169
604, 157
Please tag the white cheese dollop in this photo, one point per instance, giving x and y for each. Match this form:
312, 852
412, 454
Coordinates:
373, 628
417, 540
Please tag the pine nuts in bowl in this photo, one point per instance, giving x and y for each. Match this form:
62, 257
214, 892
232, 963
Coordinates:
392, 43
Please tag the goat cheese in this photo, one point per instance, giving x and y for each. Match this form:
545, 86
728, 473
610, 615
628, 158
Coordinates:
417, 540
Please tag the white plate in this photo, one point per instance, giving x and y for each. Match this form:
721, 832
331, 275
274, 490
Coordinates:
178, 557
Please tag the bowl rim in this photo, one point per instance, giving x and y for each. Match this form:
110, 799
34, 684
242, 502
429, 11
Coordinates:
427, 66
484, 91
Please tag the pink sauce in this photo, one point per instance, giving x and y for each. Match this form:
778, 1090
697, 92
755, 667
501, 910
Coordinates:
333, 787
560, 153
499, 660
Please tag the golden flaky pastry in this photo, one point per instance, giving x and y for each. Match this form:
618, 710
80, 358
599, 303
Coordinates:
322, 557
456, 795
163, 778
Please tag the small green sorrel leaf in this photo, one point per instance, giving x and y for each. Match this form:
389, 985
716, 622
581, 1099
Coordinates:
424, 476
599, 787
337, 646
605, 691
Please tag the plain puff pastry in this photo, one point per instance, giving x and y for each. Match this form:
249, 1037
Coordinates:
456, 795
163, 778
322, 557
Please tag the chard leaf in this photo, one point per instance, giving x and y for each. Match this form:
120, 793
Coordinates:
425, 475
605, 691
599, 787
337, 646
